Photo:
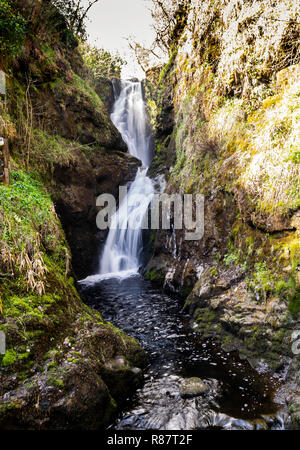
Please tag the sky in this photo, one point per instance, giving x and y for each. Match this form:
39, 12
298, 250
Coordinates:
111, 21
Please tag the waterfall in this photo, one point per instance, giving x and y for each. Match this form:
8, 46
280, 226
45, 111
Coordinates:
123, 247
129, 117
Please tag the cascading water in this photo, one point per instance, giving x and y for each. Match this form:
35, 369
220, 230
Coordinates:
237, 397
130, 118
122, 251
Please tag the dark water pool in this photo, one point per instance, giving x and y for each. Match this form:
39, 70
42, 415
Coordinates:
238, 396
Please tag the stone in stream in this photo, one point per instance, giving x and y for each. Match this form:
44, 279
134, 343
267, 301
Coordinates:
192, 387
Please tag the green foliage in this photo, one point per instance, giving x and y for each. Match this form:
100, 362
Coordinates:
294, 302
48, 150
74, 14
13, 29
155, 275
232, 255
28, 225
263, 282
29, 307
229, 259
101, 62
9, 358
83, 86
295, 155
214, 272
167, 67
24, 197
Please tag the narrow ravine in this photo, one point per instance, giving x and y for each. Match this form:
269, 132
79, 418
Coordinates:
236, 396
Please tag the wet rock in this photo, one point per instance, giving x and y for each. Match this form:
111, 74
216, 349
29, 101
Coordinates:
104, 88
76, 188
295, 415
75, 390
192, 387
246, 225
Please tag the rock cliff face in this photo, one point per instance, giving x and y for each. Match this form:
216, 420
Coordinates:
226, 114
79, 186
63, 361
67, 128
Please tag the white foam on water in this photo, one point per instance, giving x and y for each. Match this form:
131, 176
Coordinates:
94, 279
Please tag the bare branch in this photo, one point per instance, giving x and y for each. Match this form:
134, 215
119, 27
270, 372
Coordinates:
74, 13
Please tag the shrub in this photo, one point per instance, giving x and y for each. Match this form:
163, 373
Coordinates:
101, 62
13, 29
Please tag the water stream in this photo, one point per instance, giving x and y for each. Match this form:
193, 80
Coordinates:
123, 247
238, 397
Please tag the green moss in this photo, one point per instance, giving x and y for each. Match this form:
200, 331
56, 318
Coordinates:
294, 302
49, 52
9, 358
49, 150
155, 275
53, 381
205, 319
23, 356
29, 307
110, 411
166, 69
214, 272
84, 87
281, 286
28, 226
294, 248
37, 296
262, 281
295, 155
230, 258
26, 207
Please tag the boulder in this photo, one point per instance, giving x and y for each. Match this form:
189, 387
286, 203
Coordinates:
192, 387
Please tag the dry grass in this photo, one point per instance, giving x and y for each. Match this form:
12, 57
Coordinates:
29, 228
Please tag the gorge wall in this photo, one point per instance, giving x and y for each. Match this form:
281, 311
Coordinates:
225, 110
64, 367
